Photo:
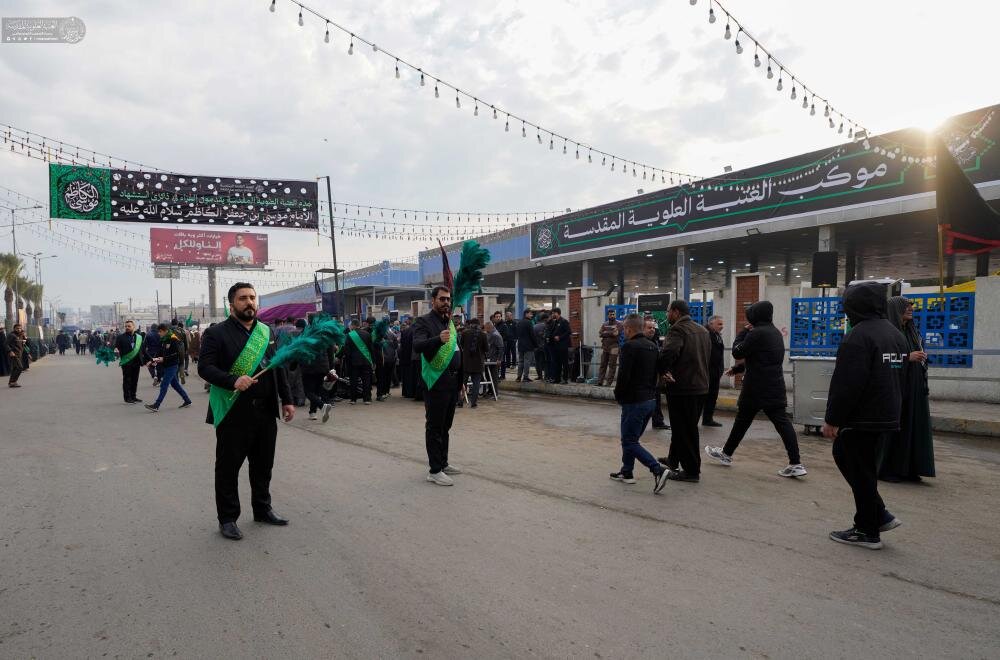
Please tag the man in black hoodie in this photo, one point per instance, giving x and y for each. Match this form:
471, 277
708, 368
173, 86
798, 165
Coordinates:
762, 349
864, 403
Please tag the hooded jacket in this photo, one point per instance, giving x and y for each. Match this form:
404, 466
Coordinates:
763, 350
865, 391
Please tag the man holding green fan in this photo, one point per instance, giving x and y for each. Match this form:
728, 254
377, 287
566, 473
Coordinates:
129, 347
436, 342
243, 407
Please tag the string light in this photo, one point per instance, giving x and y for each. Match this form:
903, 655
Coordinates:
758, 48
326, 39
401, 62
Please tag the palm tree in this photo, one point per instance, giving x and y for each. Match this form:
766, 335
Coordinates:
30, 295
10, 268
39, 305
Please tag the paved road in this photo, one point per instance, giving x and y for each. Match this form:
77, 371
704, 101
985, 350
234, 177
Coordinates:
110, 547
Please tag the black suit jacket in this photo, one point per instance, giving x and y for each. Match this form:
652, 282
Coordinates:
220, 346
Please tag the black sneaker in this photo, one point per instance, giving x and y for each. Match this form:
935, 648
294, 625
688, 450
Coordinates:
663, 461
681, 475
854, 537
622, 477
889, 522
185, 404
660, 480
661, 427
712, 423
151, 408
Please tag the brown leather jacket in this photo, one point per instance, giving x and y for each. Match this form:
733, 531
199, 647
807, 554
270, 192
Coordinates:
686, 353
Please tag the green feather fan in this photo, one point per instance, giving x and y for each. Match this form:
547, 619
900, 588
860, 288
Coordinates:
470, 272
380, 330
321, 333
105, 355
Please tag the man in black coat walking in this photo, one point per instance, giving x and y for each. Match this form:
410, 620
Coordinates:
864, 403
762, 349
716, 367
435, 341
248, 430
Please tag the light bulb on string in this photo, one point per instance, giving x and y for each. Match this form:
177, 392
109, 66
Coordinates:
506, 126
693, 2
770, 72
273, 3
350, 49
458, 104
551, 145
805, 101
578, 152
301, 22
326, 37
564, 147
589, 156
437, 93
422, 81
793, 90
729, 33
780, 82
812, 109
850, 133
475, 112
494, 112
524, 131
612, 164
397, 69
739, 47
538, 135
841, 129
830, 120
711, 15
756, 59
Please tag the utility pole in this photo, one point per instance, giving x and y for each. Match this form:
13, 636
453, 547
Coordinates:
333, 245
157, 306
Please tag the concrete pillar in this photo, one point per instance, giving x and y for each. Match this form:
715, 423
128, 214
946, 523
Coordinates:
983, 264
754, 263
213, 309
587, 276
683, 275
518, 295
826, 238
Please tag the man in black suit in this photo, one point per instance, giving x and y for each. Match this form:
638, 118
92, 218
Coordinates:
130, 360
560, 339
248, 429
716, 367
435, 342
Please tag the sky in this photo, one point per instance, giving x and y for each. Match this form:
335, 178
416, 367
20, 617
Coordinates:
228, 88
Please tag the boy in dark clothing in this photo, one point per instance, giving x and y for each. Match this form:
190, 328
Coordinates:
635, 392
864, 403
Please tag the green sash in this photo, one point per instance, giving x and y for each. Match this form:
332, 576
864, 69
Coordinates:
128, 357
220, 399
359, 343
431, 371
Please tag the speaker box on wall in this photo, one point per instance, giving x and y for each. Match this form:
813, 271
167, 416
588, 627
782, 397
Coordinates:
824, 270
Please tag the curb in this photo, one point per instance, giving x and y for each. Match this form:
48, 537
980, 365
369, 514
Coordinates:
979, 427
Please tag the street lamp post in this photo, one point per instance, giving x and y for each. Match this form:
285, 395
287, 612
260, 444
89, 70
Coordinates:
333, 243
13, 238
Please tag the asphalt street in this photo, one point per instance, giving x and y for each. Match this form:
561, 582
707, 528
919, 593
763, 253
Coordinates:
110, 547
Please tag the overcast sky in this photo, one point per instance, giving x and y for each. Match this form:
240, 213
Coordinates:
228, 88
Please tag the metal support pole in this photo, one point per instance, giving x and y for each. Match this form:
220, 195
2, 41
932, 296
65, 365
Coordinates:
212, 308
333, 247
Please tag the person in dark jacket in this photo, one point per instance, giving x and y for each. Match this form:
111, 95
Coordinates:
649, 331
635, 392
171, 360
525, 346
313, 375
434, 341
16, 356
716, 368
405, 360
863, 404
908, 454
762, 349
386, 370
684, 363
130, 360
474, 345
540, 329
358, 354
559, 336
246, 430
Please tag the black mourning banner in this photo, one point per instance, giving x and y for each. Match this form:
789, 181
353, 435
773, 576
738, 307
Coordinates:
970, 225
882, 168
82, 193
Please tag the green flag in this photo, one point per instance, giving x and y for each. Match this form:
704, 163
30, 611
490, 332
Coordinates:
189, 321
225, 309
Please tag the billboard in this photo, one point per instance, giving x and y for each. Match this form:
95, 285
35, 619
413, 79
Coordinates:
204, 247
95, 193
893, 166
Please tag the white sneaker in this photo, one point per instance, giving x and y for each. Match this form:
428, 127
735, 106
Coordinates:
313, 416
441, 479
793, 471
452, 469
719, 455
327, 409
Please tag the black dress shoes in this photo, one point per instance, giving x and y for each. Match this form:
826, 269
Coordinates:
230, 531
271, 518
662, 427
681, 475
711, 422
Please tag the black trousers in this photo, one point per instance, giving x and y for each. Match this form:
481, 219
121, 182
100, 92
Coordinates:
384, 379
249, 437
856, 454
406, 376
779, 418
419, 388
708, 414
312, 384
361, 383
658, 410
16, 368
685, 414
509, 355
560, 364
439, 413
130, 379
